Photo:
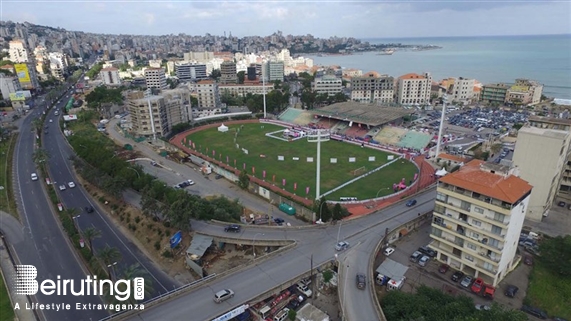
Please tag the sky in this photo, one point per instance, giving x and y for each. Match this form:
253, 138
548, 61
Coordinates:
324, 19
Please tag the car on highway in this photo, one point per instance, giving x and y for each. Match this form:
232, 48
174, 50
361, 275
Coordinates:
51, 121
477, 285
71, 184
232, 228
466, 281
62, 187
223, 295
303, 289
89, 209
34, 176
511, 291
423, 260
342, 246
411, 203
389, 251
361, 281
457, 276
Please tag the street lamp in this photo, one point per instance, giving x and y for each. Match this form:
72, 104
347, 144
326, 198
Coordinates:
320, 210
254, 245
377, 196
111, 268
138, 175
75, 222
345, 289
339, 232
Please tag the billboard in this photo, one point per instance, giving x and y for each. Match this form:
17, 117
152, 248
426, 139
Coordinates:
22, 72
17, 96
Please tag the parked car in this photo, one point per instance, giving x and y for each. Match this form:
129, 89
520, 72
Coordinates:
511, 291
218, 176
423, 260
232, 228
89, 209
466, 281
342, 246
415, 256
528, 260
534, 311
428, 251
561, 204
443, 268
361, 281
411, 203
389, 251
279, 221
457, 276
190, 182
483, 307
304, 290
477, 285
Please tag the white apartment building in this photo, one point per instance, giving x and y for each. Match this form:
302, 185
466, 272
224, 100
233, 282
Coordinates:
241, 90
208, 94
156, 63
155, 78
186, 72
413, 89
58, 64
328, 84
110, 76
9, 85
477, 219
18, 52
372, 88
463, 90
273, 70
148, 115
543, 169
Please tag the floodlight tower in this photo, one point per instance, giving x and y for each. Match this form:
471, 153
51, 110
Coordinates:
444, 101
264, 94
318, 136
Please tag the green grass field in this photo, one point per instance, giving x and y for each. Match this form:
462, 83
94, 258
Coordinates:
252, 138
549, 292
6, 310
7, 203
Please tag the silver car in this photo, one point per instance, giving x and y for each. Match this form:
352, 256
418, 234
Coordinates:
423, 260
467, 281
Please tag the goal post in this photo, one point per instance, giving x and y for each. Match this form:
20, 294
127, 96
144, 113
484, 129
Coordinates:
359, 171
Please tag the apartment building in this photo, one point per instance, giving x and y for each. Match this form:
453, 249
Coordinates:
148, 115
494, 93
8, 85
110, 76
178, 106
58, 64
478, 216
543, 170
560, 124
413, 89
524, 92
241, 90
187, 72
372, 88
155, 78
328, 84
273, 70
18, 51
463, 90
208, 94
228, 74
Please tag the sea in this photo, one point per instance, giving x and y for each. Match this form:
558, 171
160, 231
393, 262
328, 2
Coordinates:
490, 59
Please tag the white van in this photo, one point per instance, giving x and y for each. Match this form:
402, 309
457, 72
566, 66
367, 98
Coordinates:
265, 312
282, 315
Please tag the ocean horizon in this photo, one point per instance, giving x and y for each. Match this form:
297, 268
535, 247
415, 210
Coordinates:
488, 59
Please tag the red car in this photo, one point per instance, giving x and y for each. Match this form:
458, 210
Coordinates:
477, 286
443, 268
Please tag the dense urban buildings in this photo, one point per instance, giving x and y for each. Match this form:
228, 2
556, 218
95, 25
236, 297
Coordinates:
478, 215
372, 88
413, 89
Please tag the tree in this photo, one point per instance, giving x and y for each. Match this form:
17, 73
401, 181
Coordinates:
109, 255
41, 156
241, 76
496, 148
339, 212
322, 211
215, 74
135, 271
37, 123
244, 180
291, 314
90, 234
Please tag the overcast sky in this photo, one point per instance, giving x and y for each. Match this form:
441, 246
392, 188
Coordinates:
361, 19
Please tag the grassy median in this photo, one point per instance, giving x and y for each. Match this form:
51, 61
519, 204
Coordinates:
6, 310
7, 203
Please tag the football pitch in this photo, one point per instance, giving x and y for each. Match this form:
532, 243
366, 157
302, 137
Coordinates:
246, 146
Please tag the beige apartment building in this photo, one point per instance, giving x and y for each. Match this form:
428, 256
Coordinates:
208, 94
228, 73
413, 89
478, 216
541, 155
328, 84
178, 106
372, 88
148, 115
241, 90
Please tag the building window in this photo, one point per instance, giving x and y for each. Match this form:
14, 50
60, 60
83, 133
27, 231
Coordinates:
495, 243
469, 258
475, 235
488, 266
499, 217
439, 209
477, 223
442, 197
496, 230
471, 246
478, 210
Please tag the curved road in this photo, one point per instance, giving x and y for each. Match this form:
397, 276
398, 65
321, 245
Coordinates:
363, 234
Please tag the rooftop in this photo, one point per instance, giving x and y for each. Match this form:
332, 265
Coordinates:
550, 120
544, 132
471, 177
412, 76
455, 158
368, 114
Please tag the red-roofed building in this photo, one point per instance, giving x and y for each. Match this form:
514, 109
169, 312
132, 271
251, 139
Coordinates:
478, 216
413, 89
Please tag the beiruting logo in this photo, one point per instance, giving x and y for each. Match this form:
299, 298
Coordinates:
26, 284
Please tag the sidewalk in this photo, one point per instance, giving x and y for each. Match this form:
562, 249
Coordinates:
8, 270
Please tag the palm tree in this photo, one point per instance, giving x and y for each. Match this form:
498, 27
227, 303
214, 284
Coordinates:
90, 234
109, 255
41, 156
37, 123
136, 271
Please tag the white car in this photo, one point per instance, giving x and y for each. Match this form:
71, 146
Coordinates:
389, 251
51, 121
424, 260
62, 187
71, 184
191, 182
34, 176
342, 246
304, 290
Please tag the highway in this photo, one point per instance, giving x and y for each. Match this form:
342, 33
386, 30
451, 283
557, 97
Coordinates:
60, 168
44, 244
362, 233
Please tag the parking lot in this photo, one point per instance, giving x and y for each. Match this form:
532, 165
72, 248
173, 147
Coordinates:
430, 276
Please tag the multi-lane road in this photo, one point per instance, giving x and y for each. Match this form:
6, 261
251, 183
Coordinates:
363, 234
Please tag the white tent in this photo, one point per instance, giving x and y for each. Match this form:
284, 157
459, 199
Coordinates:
222, 128
441, 172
